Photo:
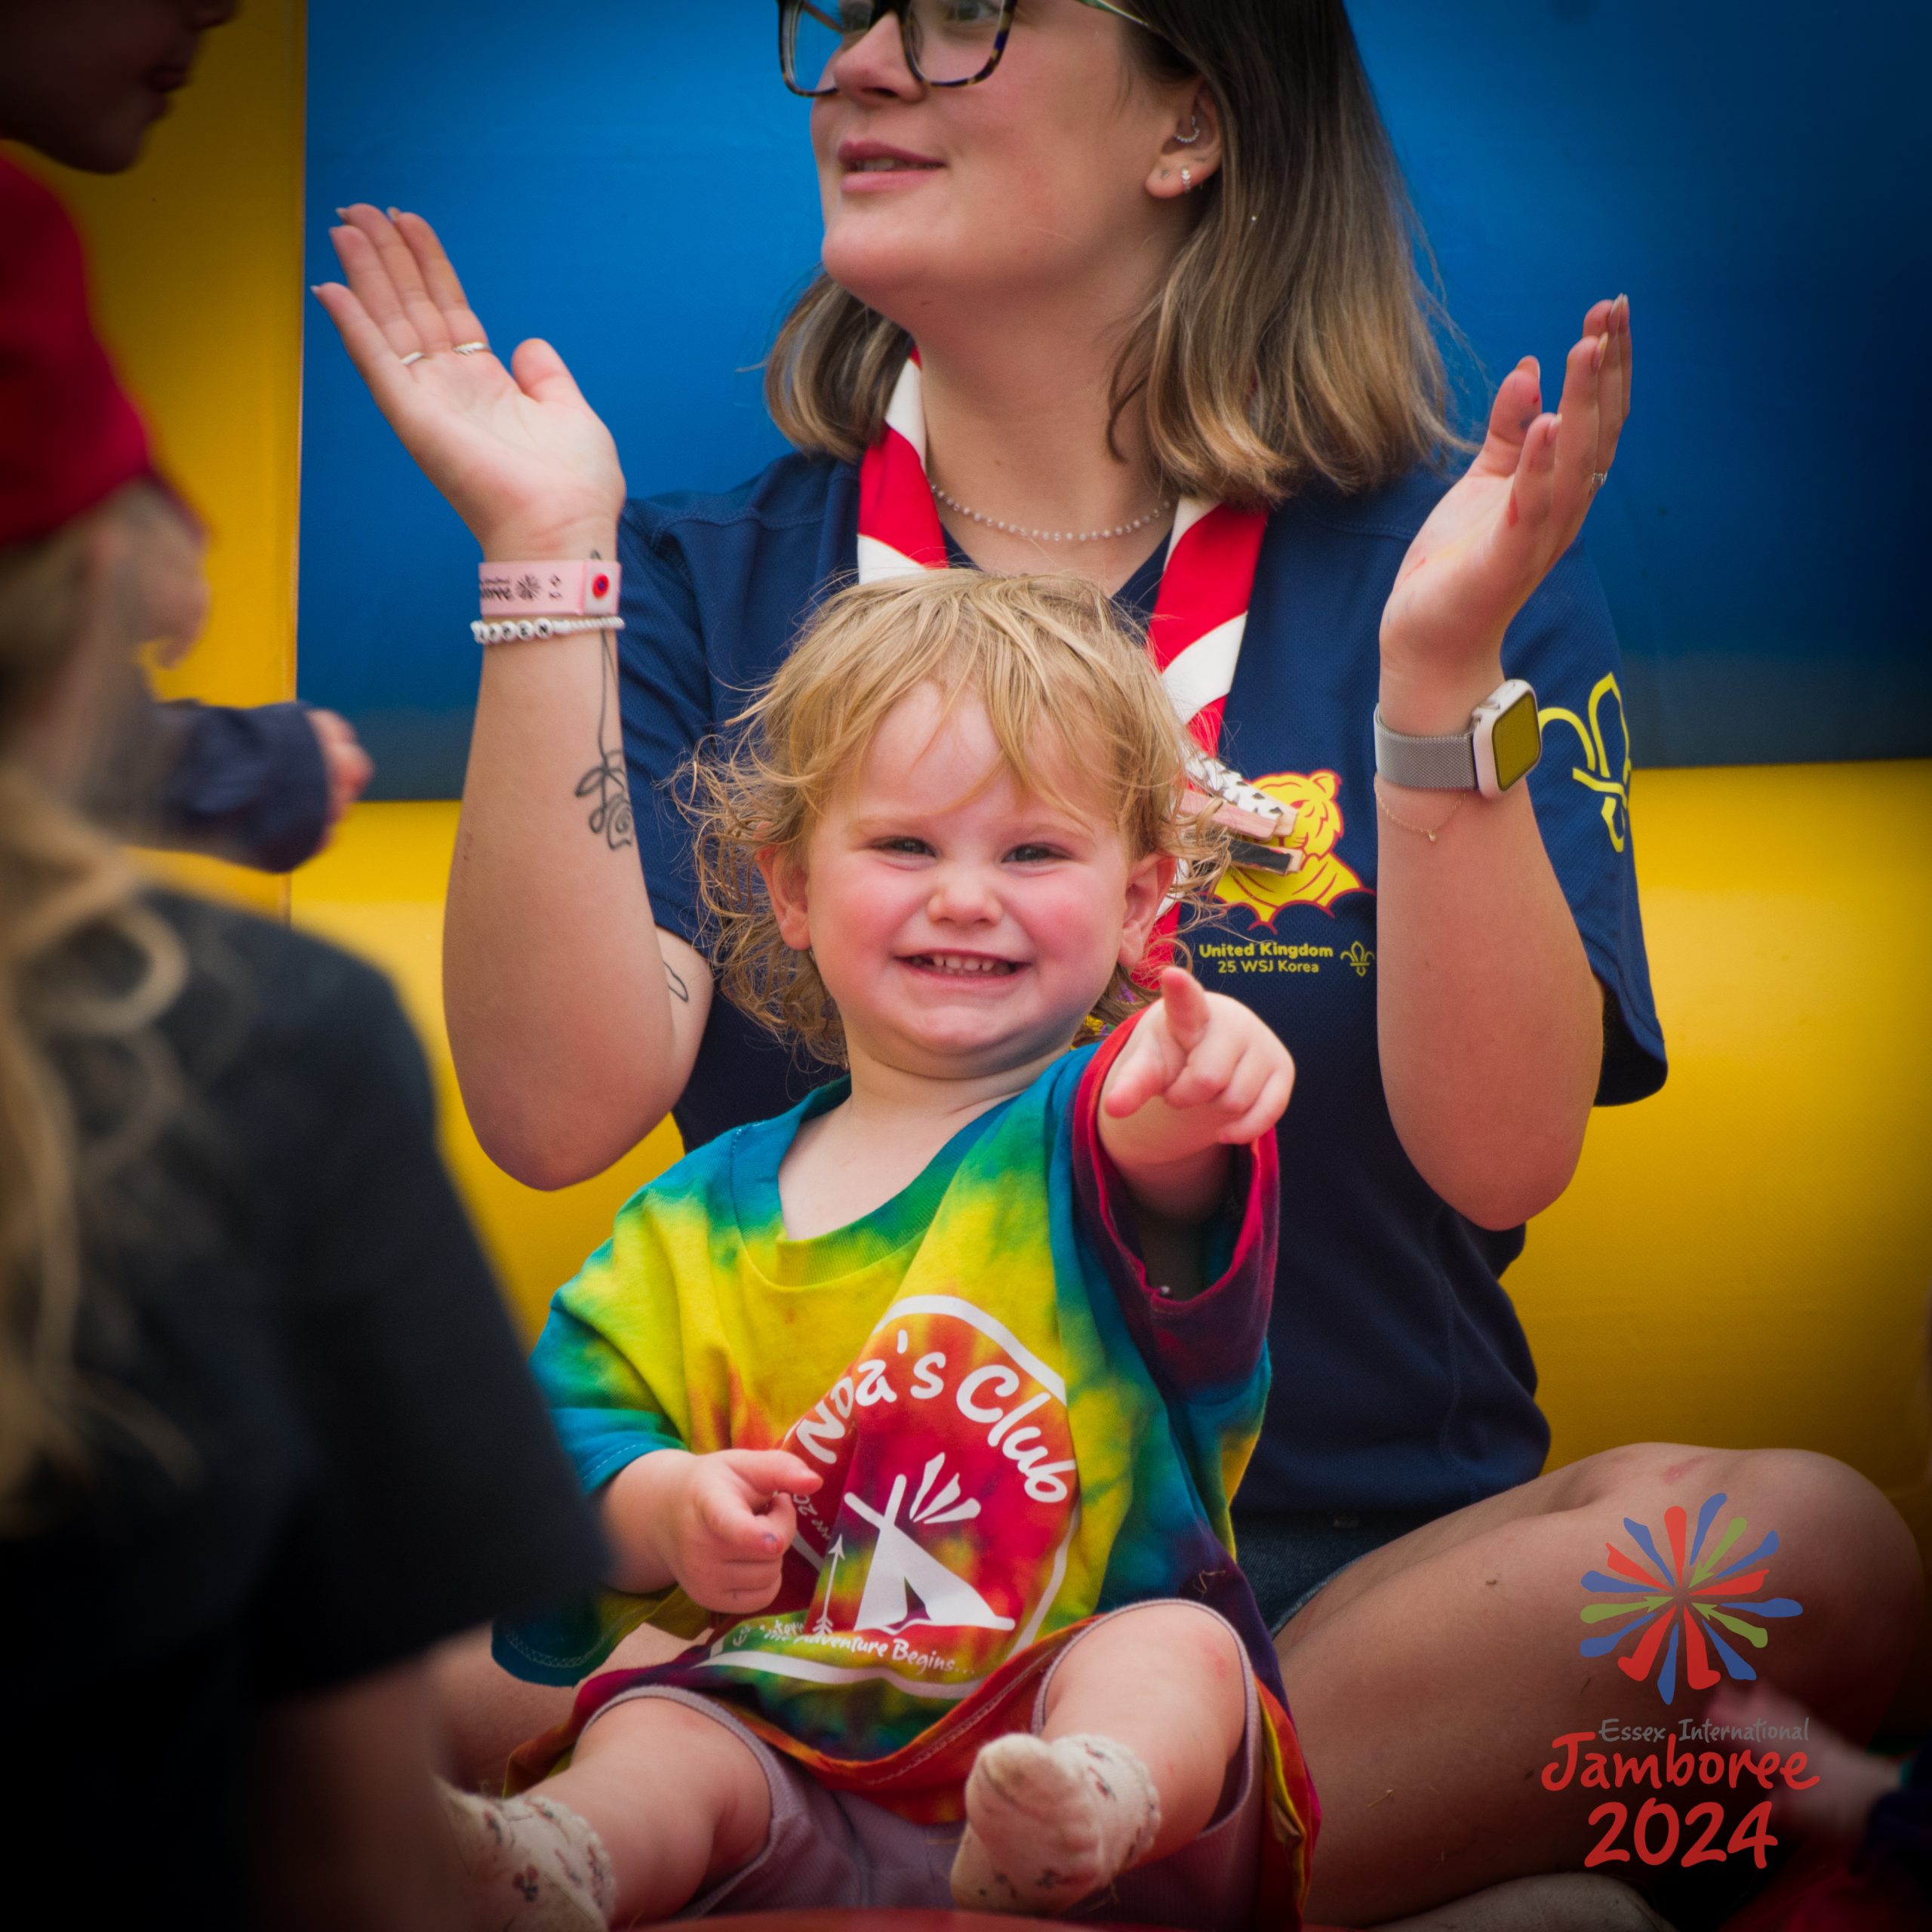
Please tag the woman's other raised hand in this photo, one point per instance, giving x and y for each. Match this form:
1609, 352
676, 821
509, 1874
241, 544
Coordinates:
523, 459
1492, 539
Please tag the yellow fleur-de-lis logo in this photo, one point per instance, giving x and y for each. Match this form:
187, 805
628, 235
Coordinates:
1603, 771
1360, 958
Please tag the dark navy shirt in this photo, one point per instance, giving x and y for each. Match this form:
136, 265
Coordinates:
1401, 1377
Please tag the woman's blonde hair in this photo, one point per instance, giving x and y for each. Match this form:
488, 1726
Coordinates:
85, 971
1074, 706
1291, 340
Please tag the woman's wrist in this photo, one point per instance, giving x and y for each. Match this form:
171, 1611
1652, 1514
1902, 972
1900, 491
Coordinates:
536, 539
1427, 700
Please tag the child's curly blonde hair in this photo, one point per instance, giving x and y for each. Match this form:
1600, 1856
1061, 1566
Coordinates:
1056, 671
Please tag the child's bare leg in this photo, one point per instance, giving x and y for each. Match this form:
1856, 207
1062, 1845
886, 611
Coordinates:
675, 1800
1166, 1681
1142, 1716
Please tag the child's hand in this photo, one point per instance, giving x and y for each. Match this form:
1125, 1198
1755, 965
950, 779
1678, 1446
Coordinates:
726, 1522
1832, 1801
1220, 1076
346, 765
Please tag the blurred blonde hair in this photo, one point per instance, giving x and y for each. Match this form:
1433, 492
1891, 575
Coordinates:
1291, 340
1075, 708
65, 887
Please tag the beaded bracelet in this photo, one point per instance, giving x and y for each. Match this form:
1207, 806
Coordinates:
518, 630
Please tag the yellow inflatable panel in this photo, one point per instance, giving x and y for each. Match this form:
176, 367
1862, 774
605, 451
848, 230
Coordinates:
379, 891
1744, 1259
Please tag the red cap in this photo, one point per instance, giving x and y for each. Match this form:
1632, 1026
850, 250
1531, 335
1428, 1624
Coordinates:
69, 436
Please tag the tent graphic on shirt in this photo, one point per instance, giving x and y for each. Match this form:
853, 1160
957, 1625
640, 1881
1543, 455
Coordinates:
902, 1573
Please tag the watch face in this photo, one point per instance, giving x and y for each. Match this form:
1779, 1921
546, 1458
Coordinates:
1516, 742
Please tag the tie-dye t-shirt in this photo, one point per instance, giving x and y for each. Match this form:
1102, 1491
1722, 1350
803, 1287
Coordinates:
1015, 1431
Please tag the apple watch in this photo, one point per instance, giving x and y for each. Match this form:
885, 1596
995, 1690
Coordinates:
1500, 749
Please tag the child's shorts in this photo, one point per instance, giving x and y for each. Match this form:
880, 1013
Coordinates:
833, 1848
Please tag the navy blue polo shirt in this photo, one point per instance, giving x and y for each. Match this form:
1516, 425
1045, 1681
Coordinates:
1402, 1380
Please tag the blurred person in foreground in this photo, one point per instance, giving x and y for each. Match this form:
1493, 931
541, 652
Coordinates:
82, 83
265, 1433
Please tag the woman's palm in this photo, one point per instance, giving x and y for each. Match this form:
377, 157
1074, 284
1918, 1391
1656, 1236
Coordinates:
1493, 538
512, 446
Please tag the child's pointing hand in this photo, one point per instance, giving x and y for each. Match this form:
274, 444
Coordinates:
1206, 1055
1199, 1073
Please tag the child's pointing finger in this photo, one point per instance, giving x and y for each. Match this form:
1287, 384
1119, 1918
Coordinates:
1186, 1007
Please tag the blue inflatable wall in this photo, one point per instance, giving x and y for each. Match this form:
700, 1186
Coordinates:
629, 178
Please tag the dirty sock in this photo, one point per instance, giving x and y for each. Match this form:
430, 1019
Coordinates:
538, 1865
1049, 1821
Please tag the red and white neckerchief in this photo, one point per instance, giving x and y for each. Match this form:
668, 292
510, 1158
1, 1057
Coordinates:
1200, 614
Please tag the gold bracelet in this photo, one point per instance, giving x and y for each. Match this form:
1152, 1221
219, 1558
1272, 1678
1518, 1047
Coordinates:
1420, 831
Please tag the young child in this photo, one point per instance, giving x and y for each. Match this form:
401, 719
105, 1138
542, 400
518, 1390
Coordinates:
923, 1405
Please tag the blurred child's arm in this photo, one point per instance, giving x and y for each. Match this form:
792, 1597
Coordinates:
1833, 1804
717, 1525
1200, 1076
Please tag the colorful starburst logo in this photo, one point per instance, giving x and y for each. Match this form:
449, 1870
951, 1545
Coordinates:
1678, 1605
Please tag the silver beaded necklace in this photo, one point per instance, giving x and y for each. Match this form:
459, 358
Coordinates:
1053, 536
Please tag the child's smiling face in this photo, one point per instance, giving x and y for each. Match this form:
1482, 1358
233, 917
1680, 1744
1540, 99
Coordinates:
965, 926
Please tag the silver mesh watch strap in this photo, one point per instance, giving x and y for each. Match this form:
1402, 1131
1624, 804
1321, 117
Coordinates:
1427, 764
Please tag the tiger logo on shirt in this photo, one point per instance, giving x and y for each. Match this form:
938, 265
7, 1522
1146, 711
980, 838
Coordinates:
1322, 876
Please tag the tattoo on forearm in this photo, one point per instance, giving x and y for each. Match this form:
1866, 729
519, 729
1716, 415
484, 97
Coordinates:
678, 989
606, 781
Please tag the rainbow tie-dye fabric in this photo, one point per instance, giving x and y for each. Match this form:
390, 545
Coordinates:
1016, 1433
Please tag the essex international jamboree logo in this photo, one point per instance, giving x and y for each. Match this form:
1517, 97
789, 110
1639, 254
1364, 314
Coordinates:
1678, 1608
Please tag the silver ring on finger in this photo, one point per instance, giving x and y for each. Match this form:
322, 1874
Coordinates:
468, 348
414, 355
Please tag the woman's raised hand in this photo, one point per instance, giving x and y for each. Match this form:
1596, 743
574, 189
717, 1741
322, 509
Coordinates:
1492, 539
523, 459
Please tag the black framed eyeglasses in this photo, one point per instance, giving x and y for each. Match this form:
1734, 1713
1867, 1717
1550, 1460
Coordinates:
948, 43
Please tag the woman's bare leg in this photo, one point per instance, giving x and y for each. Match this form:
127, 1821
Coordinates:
1428, 1681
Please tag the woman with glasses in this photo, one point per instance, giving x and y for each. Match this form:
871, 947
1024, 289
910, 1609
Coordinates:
1131, 291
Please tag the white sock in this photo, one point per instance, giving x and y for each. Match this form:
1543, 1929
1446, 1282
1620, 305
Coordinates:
540, 1867
1050, 1821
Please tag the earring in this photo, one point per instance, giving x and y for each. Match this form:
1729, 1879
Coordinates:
1186, 182
1188, 140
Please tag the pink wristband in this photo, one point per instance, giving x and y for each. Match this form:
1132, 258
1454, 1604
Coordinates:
575, 589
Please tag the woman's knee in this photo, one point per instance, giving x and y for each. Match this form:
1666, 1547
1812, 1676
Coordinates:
1629, 1475
1843, 1553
